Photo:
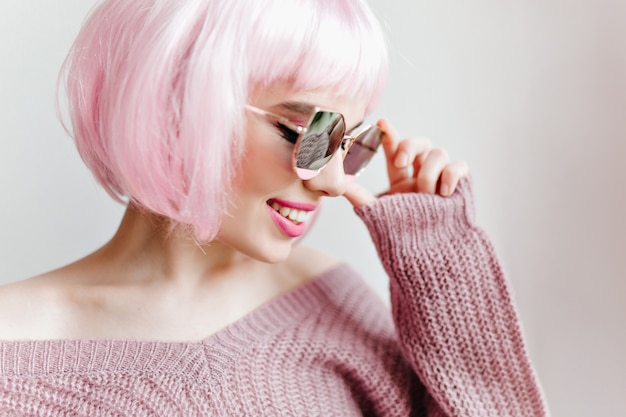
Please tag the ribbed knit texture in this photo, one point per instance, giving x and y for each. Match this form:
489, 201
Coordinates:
328, 348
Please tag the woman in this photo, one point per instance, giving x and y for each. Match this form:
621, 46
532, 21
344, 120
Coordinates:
223, 123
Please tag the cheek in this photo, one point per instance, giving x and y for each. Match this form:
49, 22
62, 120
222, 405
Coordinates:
266, 163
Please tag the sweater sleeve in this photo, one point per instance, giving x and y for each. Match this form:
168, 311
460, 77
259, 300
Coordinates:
452, 306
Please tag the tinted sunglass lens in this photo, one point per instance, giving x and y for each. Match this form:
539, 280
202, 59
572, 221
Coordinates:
318, 144
362, 150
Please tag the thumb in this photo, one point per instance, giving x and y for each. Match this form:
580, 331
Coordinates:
358, 195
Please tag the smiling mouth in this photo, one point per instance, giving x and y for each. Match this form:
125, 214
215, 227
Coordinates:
294, 215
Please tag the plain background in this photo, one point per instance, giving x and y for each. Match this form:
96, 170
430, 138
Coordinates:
531, 93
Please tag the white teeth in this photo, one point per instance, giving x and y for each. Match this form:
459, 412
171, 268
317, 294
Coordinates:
302, 216
295, 215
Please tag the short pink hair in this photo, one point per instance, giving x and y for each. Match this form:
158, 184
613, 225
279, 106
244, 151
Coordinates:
156, 89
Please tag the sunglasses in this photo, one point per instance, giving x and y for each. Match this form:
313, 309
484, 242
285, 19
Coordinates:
316, 142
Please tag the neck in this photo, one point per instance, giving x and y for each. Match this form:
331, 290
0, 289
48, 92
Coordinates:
156, 251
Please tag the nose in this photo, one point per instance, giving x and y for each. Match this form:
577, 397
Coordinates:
331, 181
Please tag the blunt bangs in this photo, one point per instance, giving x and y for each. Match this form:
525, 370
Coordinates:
336, 44
156, 89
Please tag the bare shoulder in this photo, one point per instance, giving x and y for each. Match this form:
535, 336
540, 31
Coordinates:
28, 308
308, 262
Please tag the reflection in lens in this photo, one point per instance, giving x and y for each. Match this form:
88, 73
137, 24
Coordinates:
362, 151
321, 140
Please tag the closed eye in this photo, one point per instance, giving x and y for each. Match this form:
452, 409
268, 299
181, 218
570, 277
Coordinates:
288, 134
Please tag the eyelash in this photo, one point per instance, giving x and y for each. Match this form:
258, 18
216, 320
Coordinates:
288, 134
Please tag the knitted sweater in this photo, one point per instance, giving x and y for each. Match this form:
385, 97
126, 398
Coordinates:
328, 348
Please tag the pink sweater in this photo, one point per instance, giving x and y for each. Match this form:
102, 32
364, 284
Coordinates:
328, 348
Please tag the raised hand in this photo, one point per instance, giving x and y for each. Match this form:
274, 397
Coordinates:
413, 165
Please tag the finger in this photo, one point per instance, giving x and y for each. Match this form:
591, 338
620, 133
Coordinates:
415, 151
451, 176
405, 186
429, 173
358, 195
390, 147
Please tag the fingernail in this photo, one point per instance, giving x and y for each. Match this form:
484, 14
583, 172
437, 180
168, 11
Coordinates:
445, 190
402, 160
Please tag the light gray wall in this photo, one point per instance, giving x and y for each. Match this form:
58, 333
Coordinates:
531, 93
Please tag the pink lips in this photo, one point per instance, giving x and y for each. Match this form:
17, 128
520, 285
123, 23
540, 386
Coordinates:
285, 225
296, 205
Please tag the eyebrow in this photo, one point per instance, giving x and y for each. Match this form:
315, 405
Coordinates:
305, 109
298, 107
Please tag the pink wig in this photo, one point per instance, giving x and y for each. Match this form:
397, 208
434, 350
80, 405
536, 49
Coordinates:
156, 89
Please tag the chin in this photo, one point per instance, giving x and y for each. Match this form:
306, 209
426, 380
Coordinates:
271, 253
264, 244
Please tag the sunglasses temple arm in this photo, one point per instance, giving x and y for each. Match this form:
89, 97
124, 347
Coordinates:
280, 119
